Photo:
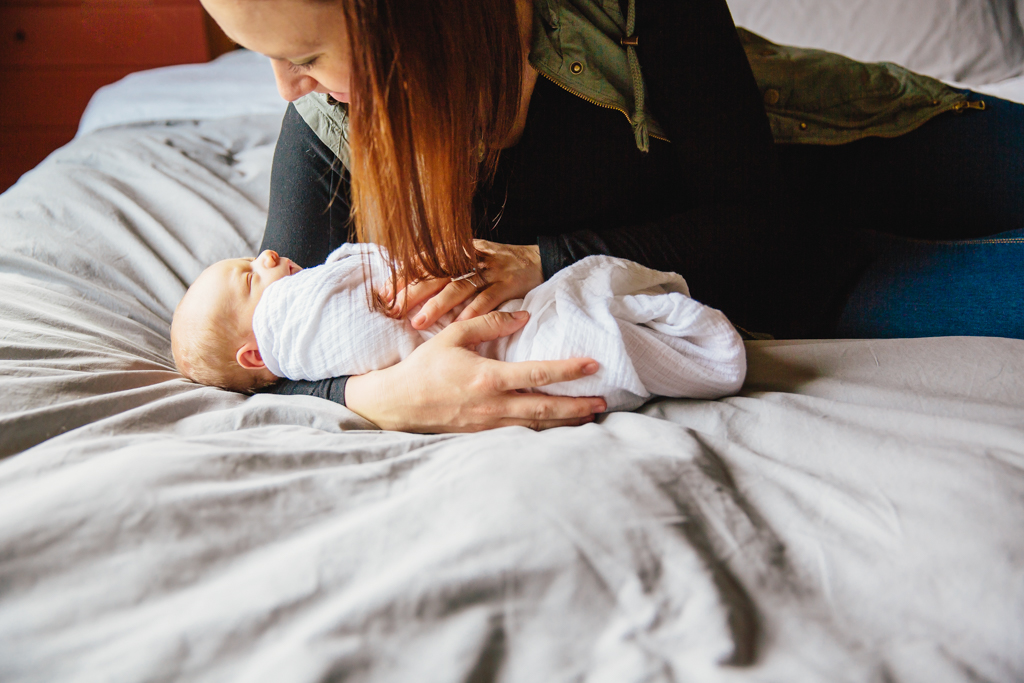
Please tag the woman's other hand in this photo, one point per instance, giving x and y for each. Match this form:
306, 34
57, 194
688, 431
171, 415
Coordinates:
504, 272
445, 386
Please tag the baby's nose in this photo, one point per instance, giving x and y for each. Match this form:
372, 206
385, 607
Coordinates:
270, 258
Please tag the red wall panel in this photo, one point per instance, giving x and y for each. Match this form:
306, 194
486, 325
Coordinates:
54, 54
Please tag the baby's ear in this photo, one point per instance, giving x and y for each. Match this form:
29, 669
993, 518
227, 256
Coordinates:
249, 357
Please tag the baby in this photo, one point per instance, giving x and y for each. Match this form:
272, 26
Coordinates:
245, 323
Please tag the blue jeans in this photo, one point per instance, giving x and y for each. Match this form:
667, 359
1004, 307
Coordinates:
931, 289
920, 235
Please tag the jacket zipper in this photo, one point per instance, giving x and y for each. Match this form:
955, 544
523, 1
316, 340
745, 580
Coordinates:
961, 106
599, 104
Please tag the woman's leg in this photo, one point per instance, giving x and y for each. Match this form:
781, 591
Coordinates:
917, 288
309, 196
959, 176
881, 209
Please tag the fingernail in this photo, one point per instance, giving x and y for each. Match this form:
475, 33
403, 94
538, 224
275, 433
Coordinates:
519, 315
590, 368
419, 320
588, 418
600, 407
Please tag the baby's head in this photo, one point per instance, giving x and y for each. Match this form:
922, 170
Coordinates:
211, 334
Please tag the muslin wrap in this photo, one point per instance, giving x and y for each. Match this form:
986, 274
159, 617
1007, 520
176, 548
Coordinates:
649, 337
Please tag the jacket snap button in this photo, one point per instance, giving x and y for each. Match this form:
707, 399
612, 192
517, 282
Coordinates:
576, 67
771, 96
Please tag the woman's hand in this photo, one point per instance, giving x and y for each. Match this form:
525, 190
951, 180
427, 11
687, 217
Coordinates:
504, 272
445, 386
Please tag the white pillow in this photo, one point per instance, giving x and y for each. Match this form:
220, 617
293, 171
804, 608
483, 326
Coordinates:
239, 83
966, 41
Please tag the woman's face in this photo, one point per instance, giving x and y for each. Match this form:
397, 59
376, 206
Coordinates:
306, 40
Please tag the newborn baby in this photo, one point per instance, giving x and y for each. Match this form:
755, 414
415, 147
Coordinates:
245, 323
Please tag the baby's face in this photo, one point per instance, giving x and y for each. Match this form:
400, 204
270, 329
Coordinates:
241, 282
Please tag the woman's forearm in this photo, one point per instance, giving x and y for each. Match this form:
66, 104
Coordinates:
729, 238
733, 258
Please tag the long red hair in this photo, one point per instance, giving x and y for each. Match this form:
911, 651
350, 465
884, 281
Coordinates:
435, 92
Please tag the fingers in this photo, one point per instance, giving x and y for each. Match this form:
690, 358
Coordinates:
485, 328
515, 376
484, 302
443, 386
416, 293
540, 426
533, 374
453, 294
538, 411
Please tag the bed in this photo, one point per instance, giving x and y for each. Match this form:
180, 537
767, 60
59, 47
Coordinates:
856, 513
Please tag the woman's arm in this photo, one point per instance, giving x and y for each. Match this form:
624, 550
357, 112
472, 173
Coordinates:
307, 219
733, 244
308, 216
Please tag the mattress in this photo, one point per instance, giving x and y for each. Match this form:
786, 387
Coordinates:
854, 514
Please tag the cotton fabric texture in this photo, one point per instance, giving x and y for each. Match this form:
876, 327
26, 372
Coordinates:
641, 325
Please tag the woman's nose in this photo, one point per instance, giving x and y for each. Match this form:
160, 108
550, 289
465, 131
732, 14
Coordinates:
292, 86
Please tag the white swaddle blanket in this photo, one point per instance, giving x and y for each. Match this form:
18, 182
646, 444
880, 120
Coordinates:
641, 325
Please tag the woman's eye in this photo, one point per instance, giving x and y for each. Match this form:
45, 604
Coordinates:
305, 66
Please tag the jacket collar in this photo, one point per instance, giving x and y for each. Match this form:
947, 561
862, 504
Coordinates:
577, 45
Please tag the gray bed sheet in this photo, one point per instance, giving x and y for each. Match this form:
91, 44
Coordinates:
855, 514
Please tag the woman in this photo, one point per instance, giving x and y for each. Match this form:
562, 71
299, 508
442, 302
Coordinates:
431, 123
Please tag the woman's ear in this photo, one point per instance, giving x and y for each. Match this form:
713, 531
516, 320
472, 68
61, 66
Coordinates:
249, 357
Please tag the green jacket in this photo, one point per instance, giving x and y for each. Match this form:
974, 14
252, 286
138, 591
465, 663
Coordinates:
810, 96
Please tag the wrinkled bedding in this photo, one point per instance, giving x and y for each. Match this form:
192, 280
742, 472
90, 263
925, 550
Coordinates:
855, 514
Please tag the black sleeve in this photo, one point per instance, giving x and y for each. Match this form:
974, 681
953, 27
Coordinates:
731, 244
309, 196
331, 389
308, 219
